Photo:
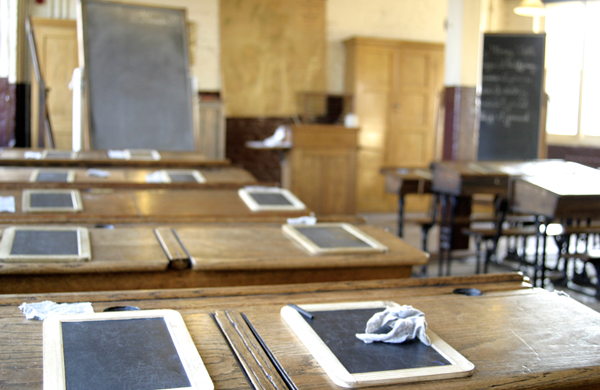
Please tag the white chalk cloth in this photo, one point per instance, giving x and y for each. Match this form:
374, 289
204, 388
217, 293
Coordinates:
405, 322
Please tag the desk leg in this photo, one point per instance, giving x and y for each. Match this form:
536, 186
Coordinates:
448, 203
400, 214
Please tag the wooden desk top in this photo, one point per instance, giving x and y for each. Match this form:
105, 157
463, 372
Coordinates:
99, 158
216, 177
517, 338
401, 181
575, 195
493, 177
222, 255
162, 206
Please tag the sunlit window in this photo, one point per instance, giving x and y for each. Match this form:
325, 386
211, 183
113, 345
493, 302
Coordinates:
573, 71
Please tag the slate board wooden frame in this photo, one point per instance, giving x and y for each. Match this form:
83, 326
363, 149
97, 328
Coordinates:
83, 246
36, 173
246, 195
75, 197
313, 248
196, 174
53, 354
459, 367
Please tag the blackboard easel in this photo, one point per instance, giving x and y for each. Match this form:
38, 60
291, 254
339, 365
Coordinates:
136, 76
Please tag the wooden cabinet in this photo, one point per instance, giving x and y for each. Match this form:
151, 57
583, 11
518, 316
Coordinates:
321, 168
396, 87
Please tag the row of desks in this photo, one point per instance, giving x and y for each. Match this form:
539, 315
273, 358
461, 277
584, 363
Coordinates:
517, 337
549, 190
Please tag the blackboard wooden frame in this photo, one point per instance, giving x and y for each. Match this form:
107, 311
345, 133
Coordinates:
246, 195
512, 97
134, 154
313, 248
53, 355
459, 367
136, 68
36, 173
196, 174
8, 236
75, 197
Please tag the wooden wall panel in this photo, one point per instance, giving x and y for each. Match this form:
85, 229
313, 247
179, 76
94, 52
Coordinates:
270, 51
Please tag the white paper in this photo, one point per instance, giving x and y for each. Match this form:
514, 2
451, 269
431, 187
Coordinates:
118, 154
154, 177
97, 173
32, 155
44, 309
302, 221
7, 204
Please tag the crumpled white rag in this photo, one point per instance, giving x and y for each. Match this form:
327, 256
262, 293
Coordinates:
406, 323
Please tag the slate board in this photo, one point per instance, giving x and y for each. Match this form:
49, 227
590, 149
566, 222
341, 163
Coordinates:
45, 242
349, 362
337, 328
133, 354
137, 76
269, 198
51, 200
511, 96
118, 350
53, 177
333, 238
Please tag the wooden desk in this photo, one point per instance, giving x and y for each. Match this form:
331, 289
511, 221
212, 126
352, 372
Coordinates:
403, 181
459, 180
506, 333
216, 177
319, 166
556, 196
131, 258
161, 206
99, 158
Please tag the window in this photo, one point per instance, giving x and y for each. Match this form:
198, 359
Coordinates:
573, 72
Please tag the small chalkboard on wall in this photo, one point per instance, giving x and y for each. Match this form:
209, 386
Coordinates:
45, 244
349, 362
511, 96
147, 349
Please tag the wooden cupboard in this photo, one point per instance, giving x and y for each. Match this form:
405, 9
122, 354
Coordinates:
396, 87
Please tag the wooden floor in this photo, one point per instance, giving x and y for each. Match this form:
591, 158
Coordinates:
462, 266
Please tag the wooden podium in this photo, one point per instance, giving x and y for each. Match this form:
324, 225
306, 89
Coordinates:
320, 168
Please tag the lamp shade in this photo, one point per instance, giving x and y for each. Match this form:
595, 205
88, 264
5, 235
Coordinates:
530, 8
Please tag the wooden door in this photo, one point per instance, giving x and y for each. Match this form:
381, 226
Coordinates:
56, 42
396, 85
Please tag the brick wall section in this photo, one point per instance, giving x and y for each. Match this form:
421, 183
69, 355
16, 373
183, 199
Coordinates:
264, 165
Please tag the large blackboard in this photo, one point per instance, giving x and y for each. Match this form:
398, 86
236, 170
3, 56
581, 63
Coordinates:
511, 96
137, 76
